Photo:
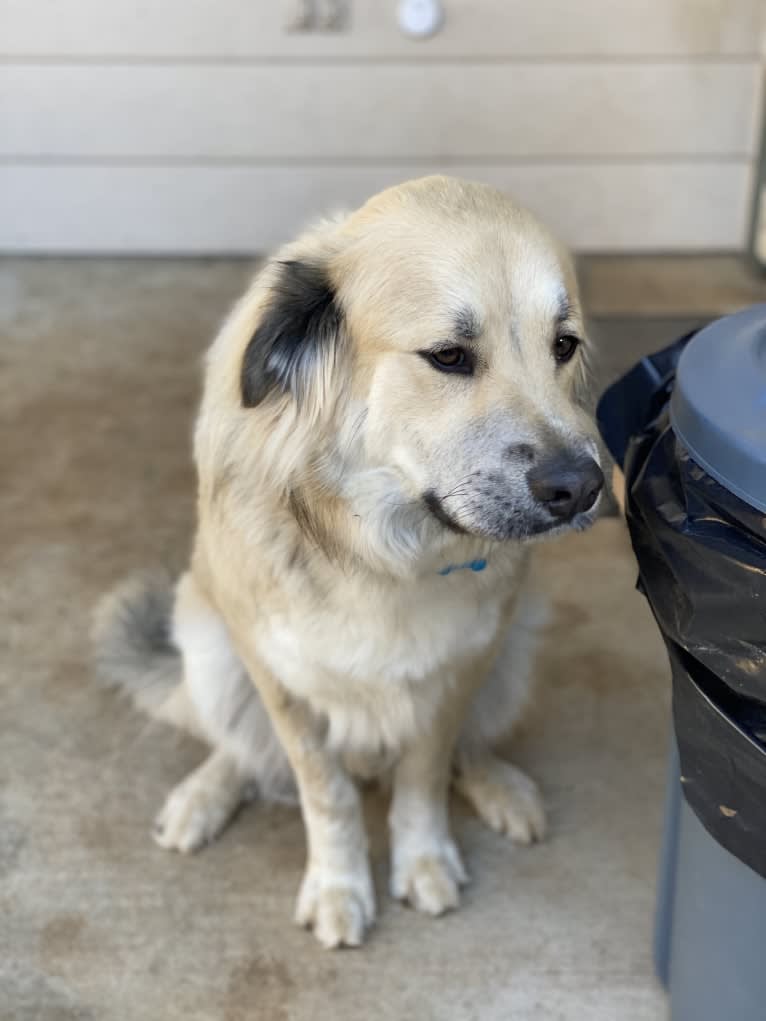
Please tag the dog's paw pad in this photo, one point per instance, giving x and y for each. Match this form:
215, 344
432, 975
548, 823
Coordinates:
506, 799
430, 881
338, 910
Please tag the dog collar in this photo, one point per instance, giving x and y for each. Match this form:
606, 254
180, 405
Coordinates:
471, 565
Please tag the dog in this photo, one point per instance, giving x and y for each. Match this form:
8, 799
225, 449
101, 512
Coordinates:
393, 414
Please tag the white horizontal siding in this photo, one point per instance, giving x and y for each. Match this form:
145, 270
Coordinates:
473, 28
204, 126
373, 112
203, 209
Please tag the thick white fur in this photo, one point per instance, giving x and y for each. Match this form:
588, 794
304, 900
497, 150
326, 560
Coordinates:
368, 734
314, 653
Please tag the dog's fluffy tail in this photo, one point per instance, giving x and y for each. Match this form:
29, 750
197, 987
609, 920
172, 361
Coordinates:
134, 650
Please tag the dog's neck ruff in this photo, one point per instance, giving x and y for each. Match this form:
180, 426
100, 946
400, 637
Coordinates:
471, 565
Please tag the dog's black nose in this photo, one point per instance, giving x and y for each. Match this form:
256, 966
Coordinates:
566, 485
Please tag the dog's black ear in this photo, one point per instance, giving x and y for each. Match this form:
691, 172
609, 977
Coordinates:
299, 327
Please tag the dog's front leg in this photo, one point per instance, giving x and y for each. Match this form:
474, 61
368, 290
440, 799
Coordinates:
426, 868
336, 898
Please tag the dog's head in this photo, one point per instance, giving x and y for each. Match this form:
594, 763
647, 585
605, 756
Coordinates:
436, 337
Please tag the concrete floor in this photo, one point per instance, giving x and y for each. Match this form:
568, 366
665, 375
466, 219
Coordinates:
99, 369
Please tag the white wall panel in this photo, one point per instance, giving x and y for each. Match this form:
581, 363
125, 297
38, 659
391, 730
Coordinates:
473, 28
595, 207
379, 111
150, 125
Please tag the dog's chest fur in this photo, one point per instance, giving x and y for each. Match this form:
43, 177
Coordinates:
374, 660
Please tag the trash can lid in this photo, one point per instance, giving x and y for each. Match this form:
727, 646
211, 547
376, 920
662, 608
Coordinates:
718, 407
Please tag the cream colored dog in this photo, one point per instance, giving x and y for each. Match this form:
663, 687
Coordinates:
391, 414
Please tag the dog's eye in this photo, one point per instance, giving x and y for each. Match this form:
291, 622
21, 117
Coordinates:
564, 347
451, 359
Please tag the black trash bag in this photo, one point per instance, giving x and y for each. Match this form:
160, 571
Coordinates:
701, 555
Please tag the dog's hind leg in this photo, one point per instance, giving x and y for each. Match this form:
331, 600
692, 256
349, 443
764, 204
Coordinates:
247, 757
200, 806
503, 797
171, 652
225, 701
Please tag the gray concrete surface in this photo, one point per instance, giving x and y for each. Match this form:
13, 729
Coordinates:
99, 369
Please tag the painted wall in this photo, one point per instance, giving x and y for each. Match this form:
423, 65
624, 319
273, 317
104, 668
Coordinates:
206, 126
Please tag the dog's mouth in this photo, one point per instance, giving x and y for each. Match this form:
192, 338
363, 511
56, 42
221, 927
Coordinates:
560, 492
436, 506
551, 528
498, 525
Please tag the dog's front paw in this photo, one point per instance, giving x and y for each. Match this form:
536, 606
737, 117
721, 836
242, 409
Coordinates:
339, 909
506, 799
429, 875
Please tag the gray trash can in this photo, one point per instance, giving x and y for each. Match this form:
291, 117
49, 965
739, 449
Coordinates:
710, 930
689, 427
